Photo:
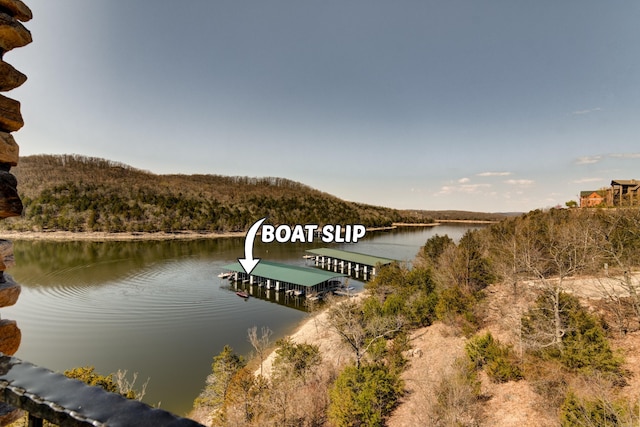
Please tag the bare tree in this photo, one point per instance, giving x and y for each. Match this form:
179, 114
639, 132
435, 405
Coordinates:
313, 307
127, 387
260, 343
560, 246
620, 244
359, 332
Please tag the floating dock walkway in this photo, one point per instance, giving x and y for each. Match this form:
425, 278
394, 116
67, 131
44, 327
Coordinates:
351, 263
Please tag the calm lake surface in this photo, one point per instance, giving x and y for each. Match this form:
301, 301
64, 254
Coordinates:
158, 307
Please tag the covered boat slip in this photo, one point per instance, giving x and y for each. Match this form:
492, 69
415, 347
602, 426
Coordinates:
288, 278
349, 262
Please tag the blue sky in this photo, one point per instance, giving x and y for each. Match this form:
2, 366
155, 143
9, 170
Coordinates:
474, 105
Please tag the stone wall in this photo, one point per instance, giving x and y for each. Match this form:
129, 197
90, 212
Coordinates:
13, 34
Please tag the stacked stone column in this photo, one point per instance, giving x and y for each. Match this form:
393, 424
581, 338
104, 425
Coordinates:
12, 35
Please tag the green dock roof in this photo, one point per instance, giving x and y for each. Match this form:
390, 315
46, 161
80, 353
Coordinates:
351, 256
287, 273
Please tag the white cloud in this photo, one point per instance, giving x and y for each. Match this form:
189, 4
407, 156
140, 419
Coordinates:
524, 182
625, 155
585, 180
588, 160
472, 188
446, 189
463, 180
462, 188
581, 112
494, 174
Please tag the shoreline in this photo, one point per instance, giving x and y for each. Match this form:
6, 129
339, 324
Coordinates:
100, 236
312, 329
315, 329
415, 224
468, 221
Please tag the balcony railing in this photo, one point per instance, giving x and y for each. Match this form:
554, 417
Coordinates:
50, 396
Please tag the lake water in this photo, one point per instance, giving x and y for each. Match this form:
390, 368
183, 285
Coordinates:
158, 307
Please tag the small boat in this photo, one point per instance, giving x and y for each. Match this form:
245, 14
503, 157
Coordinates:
225, 275
242, 294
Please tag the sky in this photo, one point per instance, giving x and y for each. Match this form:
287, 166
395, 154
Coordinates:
494, 106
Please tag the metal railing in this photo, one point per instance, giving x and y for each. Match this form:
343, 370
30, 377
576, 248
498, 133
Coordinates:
50, 396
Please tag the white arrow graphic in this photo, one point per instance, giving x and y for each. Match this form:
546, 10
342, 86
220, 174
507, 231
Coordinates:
248, 262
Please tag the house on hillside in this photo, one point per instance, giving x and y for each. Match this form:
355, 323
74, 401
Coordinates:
593, 198
624, 192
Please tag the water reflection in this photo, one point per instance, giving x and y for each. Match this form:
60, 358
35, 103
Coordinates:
44, 263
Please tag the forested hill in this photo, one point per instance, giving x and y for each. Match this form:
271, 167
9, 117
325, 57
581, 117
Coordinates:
77, 193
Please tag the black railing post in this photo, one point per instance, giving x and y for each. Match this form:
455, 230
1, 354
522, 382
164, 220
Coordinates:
34, 421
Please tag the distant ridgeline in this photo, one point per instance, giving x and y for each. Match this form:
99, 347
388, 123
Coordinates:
77, 193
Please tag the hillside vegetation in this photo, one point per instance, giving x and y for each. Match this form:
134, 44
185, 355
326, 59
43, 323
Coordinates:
502, 320
78, 193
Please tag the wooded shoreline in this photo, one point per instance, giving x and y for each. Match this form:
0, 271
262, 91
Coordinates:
102, 236
98, 236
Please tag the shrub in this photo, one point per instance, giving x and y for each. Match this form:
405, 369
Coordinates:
120, 384
576, 411
497, 359
88, 375
584, 347
456, 396
364, 396
456, 307
295, 359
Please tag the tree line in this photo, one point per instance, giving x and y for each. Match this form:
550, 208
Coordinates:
77, 193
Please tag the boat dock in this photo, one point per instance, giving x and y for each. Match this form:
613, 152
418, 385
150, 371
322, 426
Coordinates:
350, 263
290, 279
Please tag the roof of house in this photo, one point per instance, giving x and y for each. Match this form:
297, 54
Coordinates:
587, 193
287, 273
351, 256
626, 182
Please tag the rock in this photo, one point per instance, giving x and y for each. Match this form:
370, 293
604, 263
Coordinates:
12, 33
6, 255
9, 150
7, 263
414, 352
10, 337
10, 78
10, 116
10, 203
17, 9
9, 292
9, 414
